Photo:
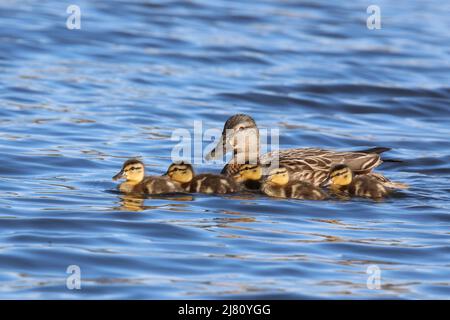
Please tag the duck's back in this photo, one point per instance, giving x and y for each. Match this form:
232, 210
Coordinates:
306, 191
295, 190
367, 186
312, 164
211, 183
387, 183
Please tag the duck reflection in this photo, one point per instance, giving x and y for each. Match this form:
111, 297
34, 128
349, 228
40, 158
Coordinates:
130, 202
136, 202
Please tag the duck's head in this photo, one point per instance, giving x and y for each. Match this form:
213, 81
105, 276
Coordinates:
133, 170
240, 135
248, 172
278, 177
180, 172
340, 175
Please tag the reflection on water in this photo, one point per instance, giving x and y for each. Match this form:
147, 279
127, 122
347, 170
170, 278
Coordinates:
135, 202
76, 103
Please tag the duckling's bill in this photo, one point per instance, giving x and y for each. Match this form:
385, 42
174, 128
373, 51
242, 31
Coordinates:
118, 176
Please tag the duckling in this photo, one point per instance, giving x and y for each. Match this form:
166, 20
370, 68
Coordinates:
133, 171
277, 184
342, 180
183, 174
249, 177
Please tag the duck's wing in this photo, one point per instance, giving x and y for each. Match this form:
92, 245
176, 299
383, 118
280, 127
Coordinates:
322, 160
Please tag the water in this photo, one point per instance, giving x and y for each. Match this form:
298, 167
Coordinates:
76, 103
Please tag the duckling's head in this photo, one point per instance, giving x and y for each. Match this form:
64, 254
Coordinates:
248, 172
133, 170
279, 177
340, 175
180, 172
240, 135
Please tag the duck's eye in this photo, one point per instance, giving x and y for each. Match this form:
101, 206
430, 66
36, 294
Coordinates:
241, 128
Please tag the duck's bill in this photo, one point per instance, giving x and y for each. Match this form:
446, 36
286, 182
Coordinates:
118, 176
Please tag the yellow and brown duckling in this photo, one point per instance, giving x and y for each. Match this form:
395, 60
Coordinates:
278, 184
133, 171
246, 178
249, 177
342, 180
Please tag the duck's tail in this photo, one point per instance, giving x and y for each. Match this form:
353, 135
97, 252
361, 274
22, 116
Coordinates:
379, 150
396, 185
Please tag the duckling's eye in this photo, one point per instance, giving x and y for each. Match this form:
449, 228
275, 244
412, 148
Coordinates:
241, 128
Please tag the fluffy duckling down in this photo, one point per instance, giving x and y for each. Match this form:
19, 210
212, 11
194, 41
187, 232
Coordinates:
278, 184
343, 180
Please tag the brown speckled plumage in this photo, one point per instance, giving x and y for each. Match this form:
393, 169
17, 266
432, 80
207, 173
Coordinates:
295, 190
212, 184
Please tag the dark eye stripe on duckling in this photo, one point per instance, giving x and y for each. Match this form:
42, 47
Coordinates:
132, 169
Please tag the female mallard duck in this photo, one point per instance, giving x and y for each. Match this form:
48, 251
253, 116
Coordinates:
133, 171
342, 180
241, 135
278, 184
183, 174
